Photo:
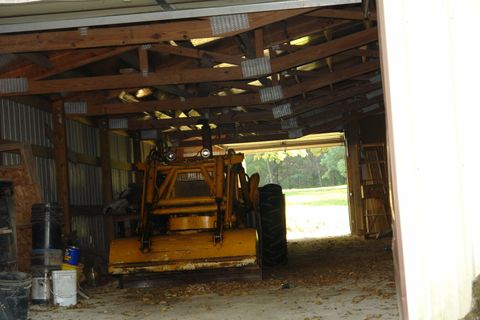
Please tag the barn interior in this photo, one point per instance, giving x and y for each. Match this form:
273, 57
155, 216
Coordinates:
88, 88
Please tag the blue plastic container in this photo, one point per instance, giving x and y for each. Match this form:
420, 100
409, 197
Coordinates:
72, 255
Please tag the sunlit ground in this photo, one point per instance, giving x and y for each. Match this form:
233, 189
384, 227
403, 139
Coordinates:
317, 212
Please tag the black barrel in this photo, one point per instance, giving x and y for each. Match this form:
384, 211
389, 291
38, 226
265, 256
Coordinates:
14, 295
47, 225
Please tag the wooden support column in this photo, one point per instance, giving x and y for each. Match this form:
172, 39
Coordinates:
259, 43
354, 183
107, 188
61, 161
143, 60
137, 155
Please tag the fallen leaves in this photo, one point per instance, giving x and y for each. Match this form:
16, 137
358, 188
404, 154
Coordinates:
360, 298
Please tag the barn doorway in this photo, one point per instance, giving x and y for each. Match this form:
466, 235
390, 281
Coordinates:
314, 181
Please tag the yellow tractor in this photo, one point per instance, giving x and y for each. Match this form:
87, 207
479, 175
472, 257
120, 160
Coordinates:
202, 212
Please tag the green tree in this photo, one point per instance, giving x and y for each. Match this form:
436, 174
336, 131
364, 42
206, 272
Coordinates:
303, 168
334, 161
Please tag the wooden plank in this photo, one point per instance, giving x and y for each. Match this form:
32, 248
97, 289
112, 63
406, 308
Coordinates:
240, 139
105, 162
273, 125
143, 60
39, 59
27, 192
354, 180
362, 53
342, 14
231, 100
130, 35
25, 177
107, 187
329, 126
280, 64
75, 157
259, 46
298, 109
61, 161
137, 156
275, 34
64, 61
196, 53
330, 48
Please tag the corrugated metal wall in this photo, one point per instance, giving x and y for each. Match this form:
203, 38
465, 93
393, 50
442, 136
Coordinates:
91, 233
82, 138
19, 122
85, 185
47, 178
22, 123
85, 181
120, 150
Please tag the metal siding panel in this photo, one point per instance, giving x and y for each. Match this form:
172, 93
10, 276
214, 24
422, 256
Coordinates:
120, 180
90, 232
46, 175
84, 185
81, 138
24, 124
120, 147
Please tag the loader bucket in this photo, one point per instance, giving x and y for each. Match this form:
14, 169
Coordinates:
180, 252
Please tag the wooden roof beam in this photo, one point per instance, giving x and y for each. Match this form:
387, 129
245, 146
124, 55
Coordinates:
280, 64
275, 126
298, 110
347, 14
65, 61
231, 100
276, 33
196, 53
328, 126
130, 35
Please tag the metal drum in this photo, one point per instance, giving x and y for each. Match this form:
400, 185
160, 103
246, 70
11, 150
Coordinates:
41, 290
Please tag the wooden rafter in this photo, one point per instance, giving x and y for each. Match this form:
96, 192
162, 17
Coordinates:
325, 74
130, 35
342, 14
65, 61
196, 53
298, 109
231, 100
278, 65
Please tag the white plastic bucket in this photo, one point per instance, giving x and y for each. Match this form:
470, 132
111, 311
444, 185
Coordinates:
64, 287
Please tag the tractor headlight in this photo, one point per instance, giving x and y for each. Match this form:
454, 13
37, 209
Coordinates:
171, 156
205, 153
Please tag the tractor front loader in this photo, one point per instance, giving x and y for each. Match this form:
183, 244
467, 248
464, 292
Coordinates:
196, 213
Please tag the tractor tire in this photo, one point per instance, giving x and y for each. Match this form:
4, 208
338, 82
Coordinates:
273, 225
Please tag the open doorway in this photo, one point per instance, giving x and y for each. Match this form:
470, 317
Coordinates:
314, 181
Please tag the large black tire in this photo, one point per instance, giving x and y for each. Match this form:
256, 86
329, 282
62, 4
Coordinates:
273, 225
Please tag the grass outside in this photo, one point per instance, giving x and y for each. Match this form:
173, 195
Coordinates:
326, 196
317, 212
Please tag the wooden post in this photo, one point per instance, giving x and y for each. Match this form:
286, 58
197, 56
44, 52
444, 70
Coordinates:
354, 183
259, 43
105, 162
137, 155
61, 161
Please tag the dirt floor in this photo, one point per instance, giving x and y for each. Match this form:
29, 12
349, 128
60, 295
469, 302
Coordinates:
333, 278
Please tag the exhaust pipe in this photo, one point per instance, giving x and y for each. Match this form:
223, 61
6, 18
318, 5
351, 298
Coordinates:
207, 150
